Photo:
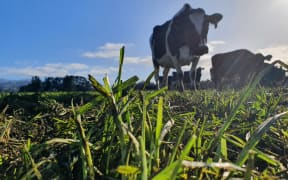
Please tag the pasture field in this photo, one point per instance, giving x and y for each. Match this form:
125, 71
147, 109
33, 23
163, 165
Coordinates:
117, 132
156, 134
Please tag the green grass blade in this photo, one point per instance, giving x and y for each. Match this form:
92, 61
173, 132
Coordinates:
222, 149
121, 60
143, 159
171, 160
220, 165
240, 143
148, 79
34, 165
256, 136
128, 83
170, 172
127, 170
165, 174
86, 148
159, 125
126, 106
88, 106
60, 141
250, 166
159, 120
98, 87
155, 93
107, 85
268, 159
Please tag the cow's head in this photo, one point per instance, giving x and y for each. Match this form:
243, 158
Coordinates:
201, 23
213, 19
268, 57
192, 26
262, 57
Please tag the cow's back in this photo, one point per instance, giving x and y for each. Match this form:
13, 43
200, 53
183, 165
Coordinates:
158, 40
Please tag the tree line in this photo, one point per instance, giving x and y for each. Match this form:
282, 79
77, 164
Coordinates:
50, 84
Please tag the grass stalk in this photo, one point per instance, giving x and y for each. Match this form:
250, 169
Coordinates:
171, 160
34, 165
144, 175
250, 165
85, 145
159, 125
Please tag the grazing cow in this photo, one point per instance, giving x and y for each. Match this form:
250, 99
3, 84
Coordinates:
198, 76
180, 41
275, 76
236, 67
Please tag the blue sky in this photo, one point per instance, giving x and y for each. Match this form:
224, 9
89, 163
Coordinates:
72, 37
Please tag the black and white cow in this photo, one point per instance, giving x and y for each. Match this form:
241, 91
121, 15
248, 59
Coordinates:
180, 41
236, 67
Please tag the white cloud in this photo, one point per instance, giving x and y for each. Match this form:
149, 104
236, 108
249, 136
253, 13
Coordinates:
278, 52
107, 51
112, 46
57, 70
217, 42
138, 60
112, 51
214, 44
102, 54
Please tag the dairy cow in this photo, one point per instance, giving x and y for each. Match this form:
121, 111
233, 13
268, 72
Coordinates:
180, 41
236, 67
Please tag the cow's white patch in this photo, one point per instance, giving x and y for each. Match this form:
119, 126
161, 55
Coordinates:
185, 56
184, 52
165, 61
197, 19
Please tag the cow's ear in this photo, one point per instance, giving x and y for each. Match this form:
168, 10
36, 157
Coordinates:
187, 6
268, 57
214, 18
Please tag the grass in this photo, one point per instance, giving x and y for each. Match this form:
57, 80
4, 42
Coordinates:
117, 132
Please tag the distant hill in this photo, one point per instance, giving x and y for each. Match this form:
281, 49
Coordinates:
12, 85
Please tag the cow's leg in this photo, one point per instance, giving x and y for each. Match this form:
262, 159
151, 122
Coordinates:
180, 75
195, 61
219, 82
198, 85
156, 76
165, 76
